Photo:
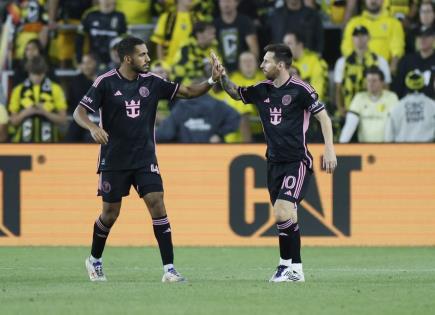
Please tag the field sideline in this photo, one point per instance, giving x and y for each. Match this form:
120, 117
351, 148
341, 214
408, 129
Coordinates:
222, 280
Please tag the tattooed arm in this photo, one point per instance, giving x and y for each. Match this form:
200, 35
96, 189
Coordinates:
230, 87
226, 83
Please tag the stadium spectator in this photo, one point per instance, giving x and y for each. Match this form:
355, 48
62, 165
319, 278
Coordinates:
387, 36
368, 110
172, 31
349, 71
333, 11
32, 49
32, 25
199, 120
250, 129
235, 33
293, 17
114, 57
192, 59
311, 67
37, 106
426, 19
81, 82
4, 118
402, 10
60, 13
101, 26
137, 12
413, 118
422, 60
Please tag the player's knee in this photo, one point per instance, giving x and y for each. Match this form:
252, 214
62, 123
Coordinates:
110, 213
154, 202
285, 210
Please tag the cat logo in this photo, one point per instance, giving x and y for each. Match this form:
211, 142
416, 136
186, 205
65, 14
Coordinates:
311, 212
11, 167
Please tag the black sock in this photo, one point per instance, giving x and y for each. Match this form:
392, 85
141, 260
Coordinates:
162, 232
295, 247
284, 230
289, 241
101, 231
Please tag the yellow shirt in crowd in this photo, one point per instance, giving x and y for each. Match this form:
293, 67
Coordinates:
386, 35
180, 33
372, 114
314, 70
135, 11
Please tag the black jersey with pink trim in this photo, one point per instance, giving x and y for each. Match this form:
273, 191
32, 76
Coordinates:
127, 113
285, 114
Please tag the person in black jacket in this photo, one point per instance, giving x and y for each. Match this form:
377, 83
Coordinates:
101, 26
294, 16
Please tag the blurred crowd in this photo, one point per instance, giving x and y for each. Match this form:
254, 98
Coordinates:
372, 63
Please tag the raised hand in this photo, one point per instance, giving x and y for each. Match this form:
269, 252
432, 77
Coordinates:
217, 69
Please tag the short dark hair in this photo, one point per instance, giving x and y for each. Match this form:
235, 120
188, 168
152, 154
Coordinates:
299, 36
375, 70
201, 26
282, 53
37, 65
127, 45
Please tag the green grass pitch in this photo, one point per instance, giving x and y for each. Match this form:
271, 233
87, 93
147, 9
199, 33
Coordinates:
222, 280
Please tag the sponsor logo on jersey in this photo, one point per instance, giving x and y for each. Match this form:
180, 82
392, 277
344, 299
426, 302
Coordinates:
132, 108
275, 115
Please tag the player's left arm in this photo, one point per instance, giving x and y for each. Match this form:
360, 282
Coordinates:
199, 89
329, 157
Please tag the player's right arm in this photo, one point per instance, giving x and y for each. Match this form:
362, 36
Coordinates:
81, 118
91, 102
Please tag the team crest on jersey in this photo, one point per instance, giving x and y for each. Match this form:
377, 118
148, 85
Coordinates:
133, 108
144, 92
106, 187
286, 100
275, 115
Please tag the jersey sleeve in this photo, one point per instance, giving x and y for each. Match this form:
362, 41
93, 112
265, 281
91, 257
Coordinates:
92, 101
167, 89
248, 94
309, 100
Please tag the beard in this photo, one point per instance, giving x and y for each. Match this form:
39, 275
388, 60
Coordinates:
272, 74
139, 69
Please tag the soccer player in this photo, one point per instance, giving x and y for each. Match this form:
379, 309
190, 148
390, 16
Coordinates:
126, 99
285, 104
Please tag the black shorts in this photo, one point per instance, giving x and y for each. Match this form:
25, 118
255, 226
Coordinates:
113, 185
288, 181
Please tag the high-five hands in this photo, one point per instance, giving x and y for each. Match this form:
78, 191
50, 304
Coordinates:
218, 70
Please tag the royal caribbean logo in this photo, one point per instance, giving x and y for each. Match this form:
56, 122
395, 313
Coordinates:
311, 212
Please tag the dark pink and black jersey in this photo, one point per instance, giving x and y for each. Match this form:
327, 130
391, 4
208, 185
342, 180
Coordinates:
128, 112
285, 115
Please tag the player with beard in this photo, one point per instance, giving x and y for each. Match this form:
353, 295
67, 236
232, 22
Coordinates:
285, 104
126, 99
